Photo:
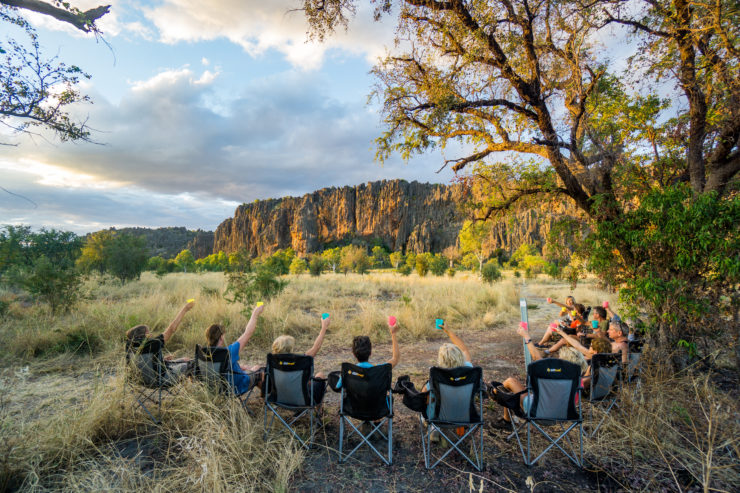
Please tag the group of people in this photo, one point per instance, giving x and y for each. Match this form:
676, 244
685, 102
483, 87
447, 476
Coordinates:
574, 340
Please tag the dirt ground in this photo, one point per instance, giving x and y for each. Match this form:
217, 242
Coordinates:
498, 351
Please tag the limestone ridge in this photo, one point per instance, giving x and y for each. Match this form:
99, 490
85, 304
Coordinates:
404, 216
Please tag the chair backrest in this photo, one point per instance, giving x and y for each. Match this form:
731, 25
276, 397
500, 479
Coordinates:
146, 361
366, 391
525, 318
586, 313
287, 379
633, 364
213, 367
554, 384
455, 390
604, 372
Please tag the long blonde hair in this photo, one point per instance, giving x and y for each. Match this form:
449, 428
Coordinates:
283, 344
450, 356
572, 355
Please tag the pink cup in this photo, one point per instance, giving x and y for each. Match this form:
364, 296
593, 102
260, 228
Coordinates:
553, 326
391, 320
524, 325
606, 304
549, 300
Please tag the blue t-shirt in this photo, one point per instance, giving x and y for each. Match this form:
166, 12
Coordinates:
361, 364
241, 379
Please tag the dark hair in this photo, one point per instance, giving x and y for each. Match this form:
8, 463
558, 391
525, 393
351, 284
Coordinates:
601, 311
136, 335
579, 308
213, 334
361, 348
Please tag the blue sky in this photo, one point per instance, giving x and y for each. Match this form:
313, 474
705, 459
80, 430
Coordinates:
198, 107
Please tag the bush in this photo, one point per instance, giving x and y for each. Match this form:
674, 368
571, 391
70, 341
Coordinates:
249, 287
438, 265
451, 272
58, 284
490, 271
404, 270
297, 266
422, 265
316, 265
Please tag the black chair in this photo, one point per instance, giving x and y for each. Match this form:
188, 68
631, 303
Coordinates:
290, 384
555, 398
146, 374
213, 368
454, 392
603, 385
366, 396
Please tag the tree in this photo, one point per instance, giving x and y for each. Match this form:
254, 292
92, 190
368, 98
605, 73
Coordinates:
437, 265
472, 235
93, 256
530, 80
452, 254
354, 258
379, 256
332, 256
126, 257
316, 265
36, 91
422, 264
396, 258
185, 261
490, 272
297, 266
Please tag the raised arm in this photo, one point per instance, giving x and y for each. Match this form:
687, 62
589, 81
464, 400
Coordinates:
574, 342
396, 356
250, 328
523, 330
319, 339
553, 302
170, 331
459, 343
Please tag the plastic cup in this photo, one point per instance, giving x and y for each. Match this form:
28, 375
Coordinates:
324, 316
438, 323
594, 324
606, 304
260, 303
553, 326
190, 300
524, 325
574, 313
391, 320
549, 300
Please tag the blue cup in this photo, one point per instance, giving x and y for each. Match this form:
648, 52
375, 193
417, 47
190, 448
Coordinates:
595, 324
324, 316
438, 323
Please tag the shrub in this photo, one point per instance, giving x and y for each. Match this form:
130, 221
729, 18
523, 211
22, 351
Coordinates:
422, 265
490, 271
248, 287
404, 270
451, 272
316, 265
438, 265
297, 266
56, 283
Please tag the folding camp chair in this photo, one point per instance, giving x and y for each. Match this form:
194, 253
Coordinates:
213, 367
554, 394
146, 374
289, 384
455, 391
634, 367
366, 396
525, 319
604, 384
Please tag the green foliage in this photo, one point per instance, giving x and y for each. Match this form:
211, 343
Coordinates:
332, 257
298, 266
248, 287
437, 265
451, 272
354, 258
472, 235
470, 262
404, 269
56, 284
524, 250
316, 265
126, 257
490, 272
94, 257
279, 262
422, 264
380, 257
396, 258
185, 261
677, 255
411, 260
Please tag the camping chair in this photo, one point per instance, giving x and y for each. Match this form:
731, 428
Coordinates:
213, 368
604, 385
634, 367
455, 391
554, 392
366, 396
147, 376
289, 385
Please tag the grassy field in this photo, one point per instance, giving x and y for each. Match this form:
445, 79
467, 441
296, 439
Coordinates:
66, 423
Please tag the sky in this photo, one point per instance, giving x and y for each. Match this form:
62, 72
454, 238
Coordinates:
197, 107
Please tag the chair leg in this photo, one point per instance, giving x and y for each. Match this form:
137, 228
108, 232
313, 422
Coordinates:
341, 437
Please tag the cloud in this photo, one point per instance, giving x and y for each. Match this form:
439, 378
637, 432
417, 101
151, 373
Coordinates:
166, 143
258, 26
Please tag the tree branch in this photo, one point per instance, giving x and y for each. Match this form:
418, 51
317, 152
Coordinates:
84, 21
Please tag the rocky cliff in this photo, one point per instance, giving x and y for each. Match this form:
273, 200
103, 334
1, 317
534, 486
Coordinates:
403, 216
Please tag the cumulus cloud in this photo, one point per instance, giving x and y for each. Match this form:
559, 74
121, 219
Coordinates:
258, 26
165, 144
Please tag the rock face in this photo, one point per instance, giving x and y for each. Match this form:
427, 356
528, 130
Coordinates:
403, 216
202, 244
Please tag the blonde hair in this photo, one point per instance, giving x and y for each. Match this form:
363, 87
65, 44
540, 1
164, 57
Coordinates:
283, 344
450, 356
573, 356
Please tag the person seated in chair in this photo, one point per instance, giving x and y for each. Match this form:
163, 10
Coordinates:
362, 348
245, 376
566, 317
139, 334
285, 344
582, 329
